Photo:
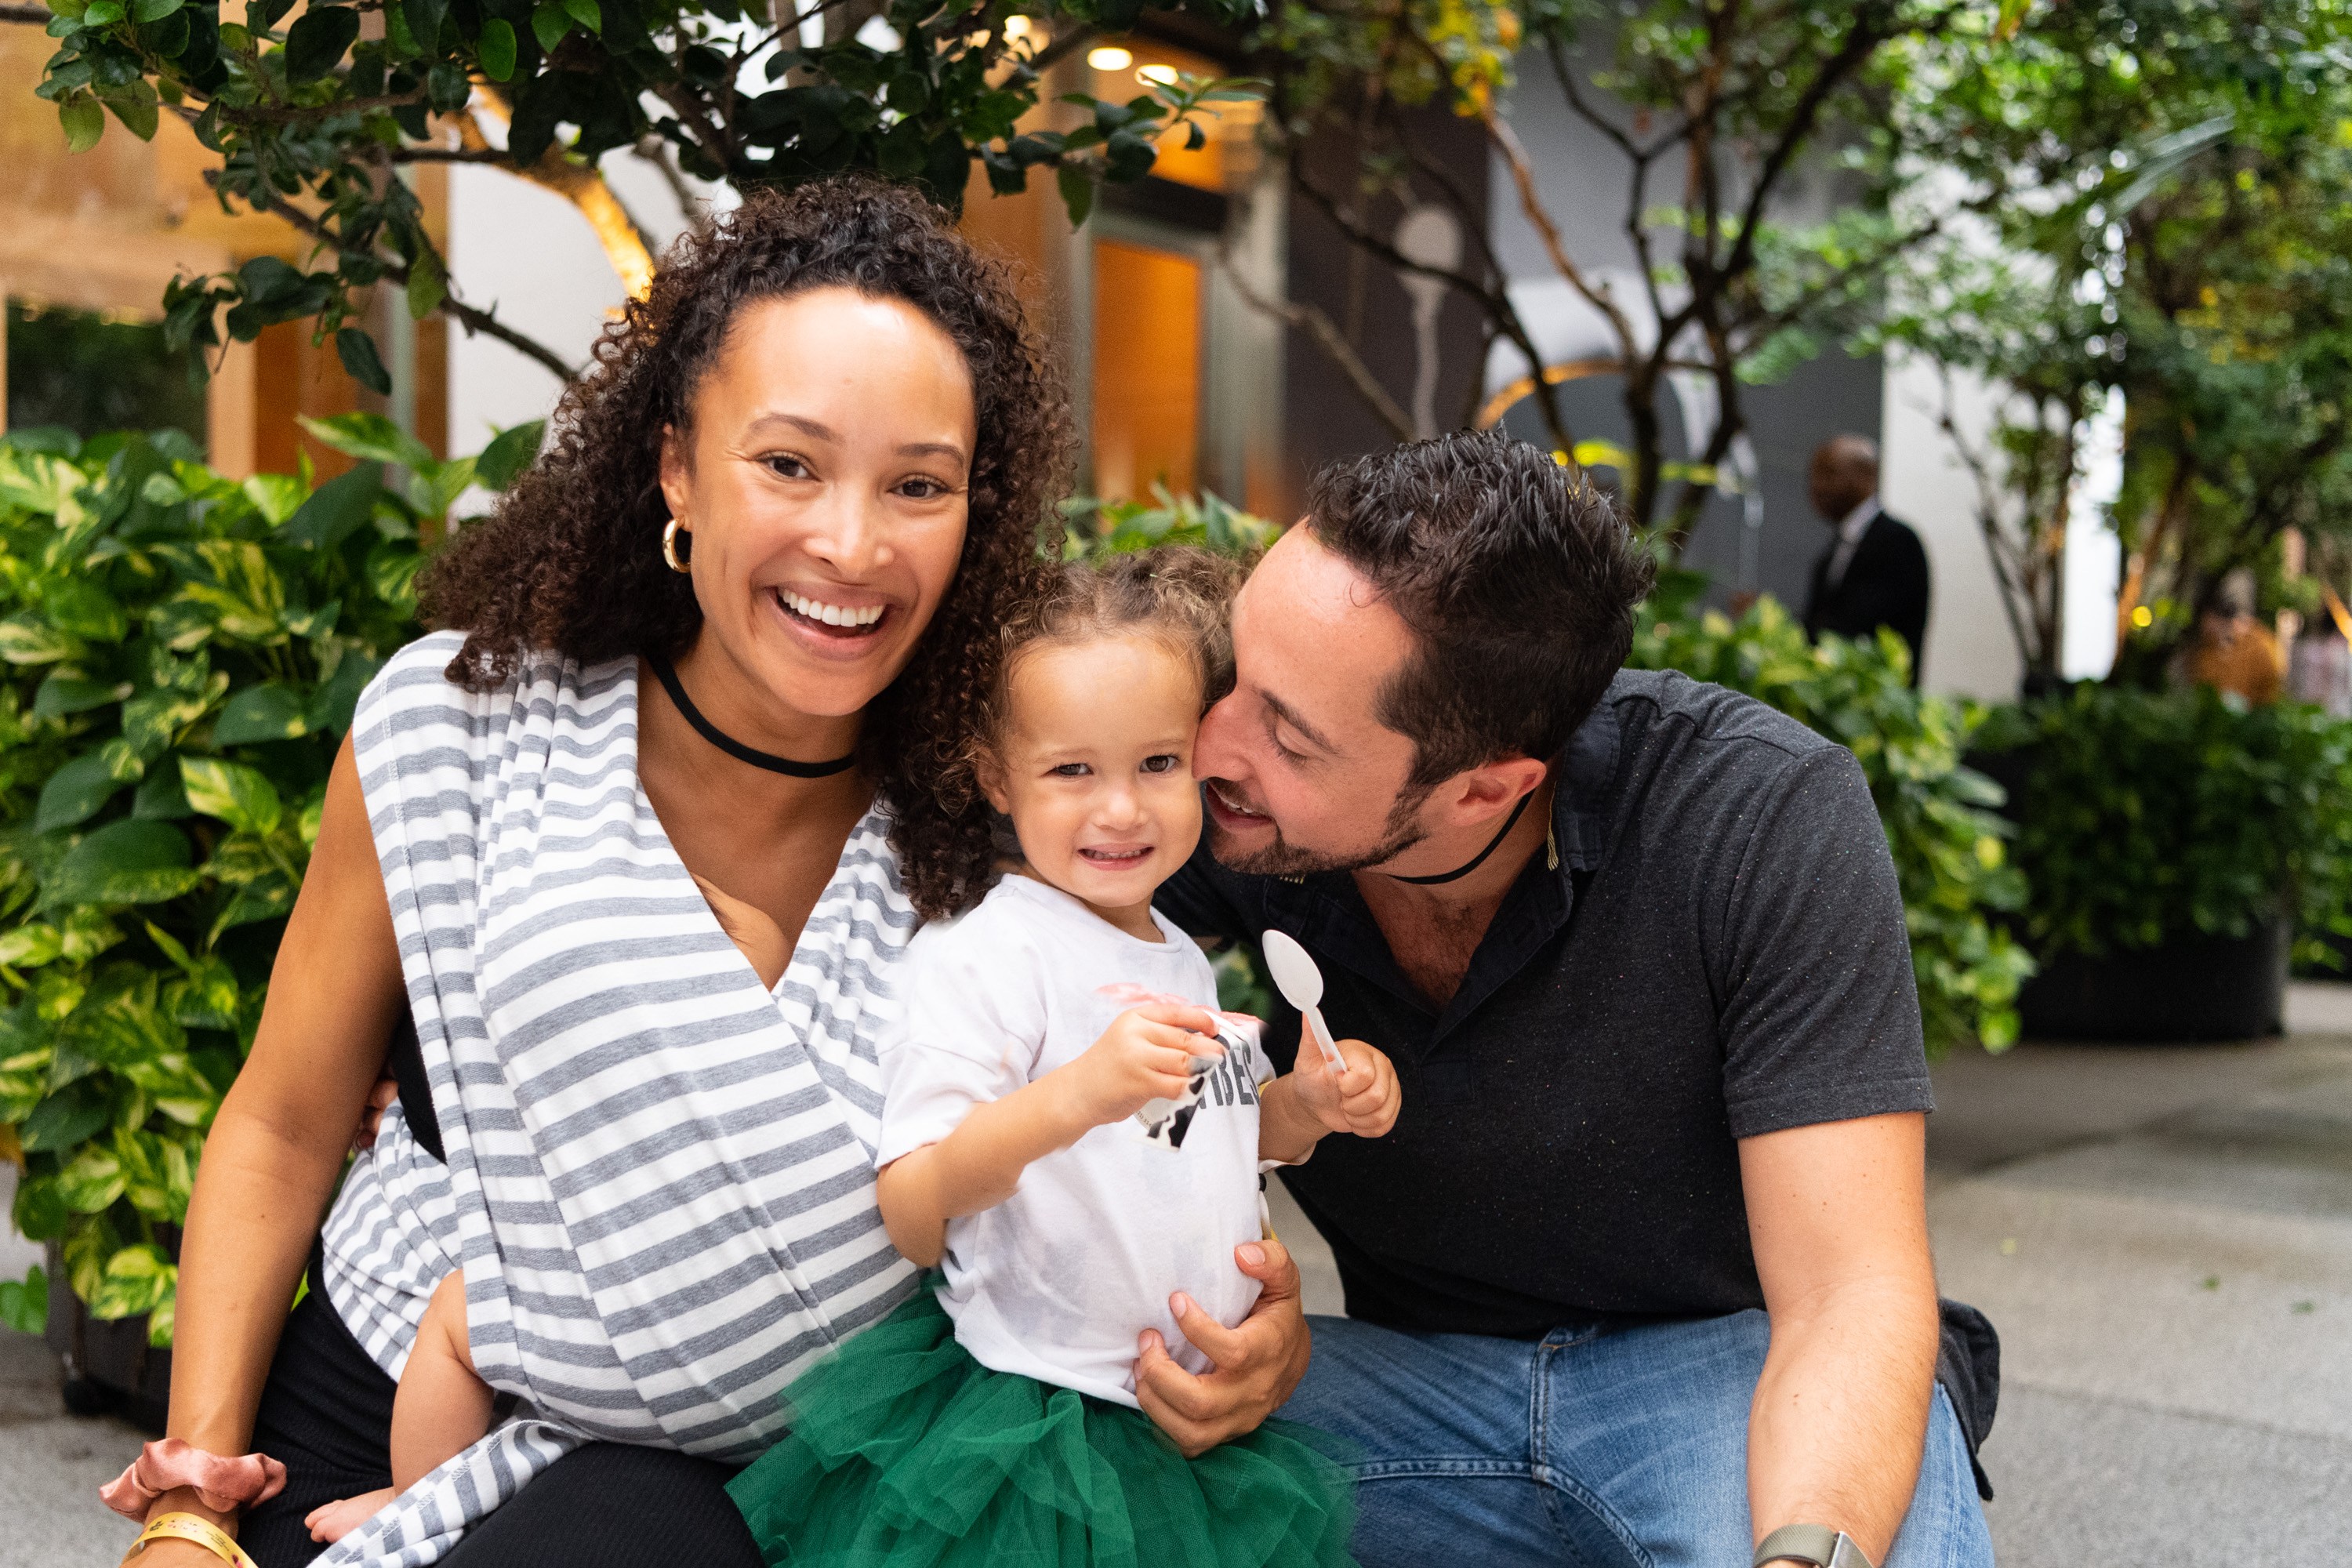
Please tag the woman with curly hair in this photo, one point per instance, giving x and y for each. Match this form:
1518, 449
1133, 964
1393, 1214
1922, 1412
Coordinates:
624, 840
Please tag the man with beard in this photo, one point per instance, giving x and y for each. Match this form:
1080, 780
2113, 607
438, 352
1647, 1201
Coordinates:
1642, 1274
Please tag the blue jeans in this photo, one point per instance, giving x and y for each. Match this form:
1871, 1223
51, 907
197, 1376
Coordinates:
1603, 1448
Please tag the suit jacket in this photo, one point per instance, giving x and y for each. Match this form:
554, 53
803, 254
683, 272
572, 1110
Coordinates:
1885, 584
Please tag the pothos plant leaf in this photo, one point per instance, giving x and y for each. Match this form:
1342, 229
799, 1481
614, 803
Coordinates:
179, 654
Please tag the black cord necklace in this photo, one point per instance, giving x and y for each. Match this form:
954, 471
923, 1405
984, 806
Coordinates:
1477, 861
728, 743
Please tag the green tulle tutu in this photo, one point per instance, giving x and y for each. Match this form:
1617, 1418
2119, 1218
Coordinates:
905, 1452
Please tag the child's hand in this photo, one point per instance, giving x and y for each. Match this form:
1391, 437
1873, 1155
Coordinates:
1364, 1099
1145, 1055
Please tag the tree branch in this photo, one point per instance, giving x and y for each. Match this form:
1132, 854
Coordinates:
1317, 323
1496, 301
444, 155
1523, 179
31, 15
1860, 43
474, 320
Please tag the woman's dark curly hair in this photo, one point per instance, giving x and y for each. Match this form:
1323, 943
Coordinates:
571, 560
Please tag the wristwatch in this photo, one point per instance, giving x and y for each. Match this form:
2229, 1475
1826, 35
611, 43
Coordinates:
1815, 1544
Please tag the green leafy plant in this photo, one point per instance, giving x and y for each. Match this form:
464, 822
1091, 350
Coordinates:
2148, 817
180, 654
1950, 847
1093, 528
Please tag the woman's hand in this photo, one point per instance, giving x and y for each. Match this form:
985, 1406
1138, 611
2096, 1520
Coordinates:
1145, 1055
1254, 1365
1363, 1098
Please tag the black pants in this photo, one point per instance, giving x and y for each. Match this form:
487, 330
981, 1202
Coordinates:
326, 1412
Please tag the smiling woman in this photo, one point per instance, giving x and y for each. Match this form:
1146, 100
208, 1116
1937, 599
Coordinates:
621, 841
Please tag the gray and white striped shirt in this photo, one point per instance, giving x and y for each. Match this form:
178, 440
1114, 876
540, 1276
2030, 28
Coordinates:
659, 1178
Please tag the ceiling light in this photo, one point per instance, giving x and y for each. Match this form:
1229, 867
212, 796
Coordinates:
1016, 26
1110, 57
1164, 75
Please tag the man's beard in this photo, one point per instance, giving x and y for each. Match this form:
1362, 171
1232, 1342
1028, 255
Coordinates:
1284, 858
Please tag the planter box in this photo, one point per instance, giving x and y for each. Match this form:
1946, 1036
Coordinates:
109, 1368
2197, 989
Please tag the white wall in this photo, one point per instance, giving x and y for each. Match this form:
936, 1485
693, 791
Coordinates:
1922, 481
526, 252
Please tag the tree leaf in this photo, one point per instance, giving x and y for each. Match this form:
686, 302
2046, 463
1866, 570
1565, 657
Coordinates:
357, 351
237, 795
425, 18
264, 712
144, 11
129, 862
316, 42
1078, 192
585, 13
427, 286
339, 508
75, 791
547, 25
510, 452
135, 110
84, 123
497, 48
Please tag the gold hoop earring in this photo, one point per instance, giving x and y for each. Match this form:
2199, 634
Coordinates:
670, 545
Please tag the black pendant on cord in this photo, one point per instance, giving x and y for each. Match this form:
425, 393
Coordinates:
735, 748
1477, 861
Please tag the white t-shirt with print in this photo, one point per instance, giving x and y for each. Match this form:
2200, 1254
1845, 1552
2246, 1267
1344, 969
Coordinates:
1057, 1281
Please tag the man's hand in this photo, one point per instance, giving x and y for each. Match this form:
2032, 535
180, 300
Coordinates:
1362, 1099
1145, 1055
1254, 1365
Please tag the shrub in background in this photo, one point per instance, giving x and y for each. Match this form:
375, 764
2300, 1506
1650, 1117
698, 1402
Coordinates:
1948, 844
2150, 816
179, 654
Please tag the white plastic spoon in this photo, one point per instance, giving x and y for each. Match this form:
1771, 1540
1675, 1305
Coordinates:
1301, 984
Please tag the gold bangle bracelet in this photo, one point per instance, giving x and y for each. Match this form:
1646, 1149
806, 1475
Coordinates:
198, 1529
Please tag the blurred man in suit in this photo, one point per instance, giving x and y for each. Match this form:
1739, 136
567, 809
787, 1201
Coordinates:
1874, 573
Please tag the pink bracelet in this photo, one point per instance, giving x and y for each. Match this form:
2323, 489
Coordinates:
173, 1462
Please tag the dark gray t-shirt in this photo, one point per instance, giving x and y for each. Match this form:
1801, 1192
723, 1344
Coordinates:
1719, 952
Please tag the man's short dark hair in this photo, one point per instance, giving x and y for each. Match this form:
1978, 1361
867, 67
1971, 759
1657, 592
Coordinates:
1517, 576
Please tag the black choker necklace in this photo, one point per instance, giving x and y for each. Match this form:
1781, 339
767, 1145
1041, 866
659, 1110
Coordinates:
1477, 861
730, 744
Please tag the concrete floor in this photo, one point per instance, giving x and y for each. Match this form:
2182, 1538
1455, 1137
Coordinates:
2164, 1238
2162, 1235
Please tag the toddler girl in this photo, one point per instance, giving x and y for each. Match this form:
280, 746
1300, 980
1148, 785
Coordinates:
1073, 1134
